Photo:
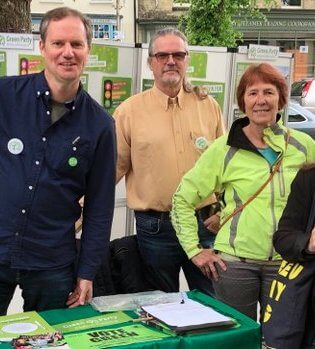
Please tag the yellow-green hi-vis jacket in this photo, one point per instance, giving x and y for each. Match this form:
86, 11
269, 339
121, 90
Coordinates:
233, 165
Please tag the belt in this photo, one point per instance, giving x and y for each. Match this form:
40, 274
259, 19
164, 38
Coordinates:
230, 258
202, 213
156, 214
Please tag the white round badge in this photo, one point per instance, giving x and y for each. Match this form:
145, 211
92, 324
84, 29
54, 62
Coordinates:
15, 146
201, 143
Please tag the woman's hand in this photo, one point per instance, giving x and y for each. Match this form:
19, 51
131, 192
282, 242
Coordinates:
208, 262
212, 223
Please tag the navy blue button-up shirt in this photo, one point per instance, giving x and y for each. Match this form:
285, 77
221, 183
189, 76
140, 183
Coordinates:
45, 169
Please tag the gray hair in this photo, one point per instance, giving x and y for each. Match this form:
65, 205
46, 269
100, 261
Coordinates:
165, 32
61, 12
200, 91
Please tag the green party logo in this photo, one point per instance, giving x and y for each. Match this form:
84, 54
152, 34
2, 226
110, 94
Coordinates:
2, 40
201, 143
252, 52
73, 161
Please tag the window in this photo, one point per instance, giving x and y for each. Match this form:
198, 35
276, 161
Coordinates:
181, 4
104, 31
292, 117
101, 31
291, 2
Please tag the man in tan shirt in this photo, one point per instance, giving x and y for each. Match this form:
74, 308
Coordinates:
160, 134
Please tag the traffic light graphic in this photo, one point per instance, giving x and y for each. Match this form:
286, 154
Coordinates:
108, 94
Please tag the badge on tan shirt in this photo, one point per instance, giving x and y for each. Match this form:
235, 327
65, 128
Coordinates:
201, 143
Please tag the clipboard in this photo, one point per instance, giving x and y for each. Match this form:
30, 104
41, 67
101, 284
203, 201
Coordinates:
188, 316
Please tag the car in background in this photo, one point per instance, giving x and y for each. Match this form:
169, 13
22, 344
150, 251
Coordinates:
303, 91
300, 118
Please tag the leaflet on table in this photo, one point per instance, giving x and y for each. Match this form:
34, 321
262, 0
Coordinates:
113, 337
29, 323
46, 340
187, 315
93, 322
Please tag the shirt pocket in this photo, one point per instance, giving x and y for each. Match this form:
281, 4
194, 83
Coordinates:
68, 158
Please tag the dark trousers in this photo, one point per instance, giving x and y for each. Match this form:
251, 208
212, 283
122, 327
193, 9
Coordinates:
164, 256
41, 289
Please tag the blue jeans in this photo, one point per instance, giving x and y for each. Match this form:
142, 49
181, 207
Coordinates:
41, 289
164, 256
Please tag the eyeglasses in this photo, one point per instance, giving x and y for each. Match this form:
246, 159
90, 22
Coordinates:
163, 57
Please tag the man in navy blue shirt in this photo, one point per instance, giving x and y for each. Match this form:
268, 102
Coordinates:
56, 145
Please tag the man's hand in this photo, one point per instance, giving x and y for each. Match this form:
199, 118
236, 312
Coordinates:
311, 244
208, 261
81, 294
212, 223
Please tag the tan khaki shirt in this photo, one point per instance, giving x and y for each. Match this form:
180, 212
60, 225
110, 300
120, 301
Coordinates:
159, 139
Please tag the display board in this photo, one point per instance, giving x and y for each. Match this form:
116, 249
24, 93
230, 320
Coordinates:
111, 71
240, 62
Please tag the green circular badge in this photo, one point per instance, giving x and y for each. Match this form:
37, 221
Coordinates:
73, 161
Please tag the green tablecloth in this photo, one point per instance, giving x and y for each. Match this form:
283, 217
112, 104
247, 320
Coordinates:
245, 336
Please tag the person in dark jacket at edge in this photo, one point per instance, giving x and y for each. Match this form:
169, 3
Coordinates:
295, 243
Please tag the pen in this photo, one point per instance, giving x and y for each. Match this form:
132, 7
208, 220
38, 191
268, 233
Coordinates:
76, 140
183, 298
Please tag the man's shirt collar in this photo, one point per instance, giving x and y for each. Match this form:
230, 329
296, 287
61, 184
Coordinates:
167, 101
43, 91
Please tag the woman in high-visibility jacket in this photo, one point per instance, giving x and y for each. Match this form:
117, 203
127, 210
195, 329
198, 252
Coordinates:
254, 165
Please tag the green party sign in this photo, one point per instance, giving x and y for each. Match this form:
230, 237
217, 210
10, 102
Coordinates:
103, 58
147, 83
103, 320
197, 67
29, 64
107, 338
115, 91
3, 64
215, 89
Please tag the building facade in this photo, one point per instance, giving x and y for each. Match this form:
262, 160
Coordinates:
289, 25
111, 19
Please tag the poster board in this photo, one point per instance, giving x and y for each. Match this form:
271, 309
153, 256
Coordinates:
241, 61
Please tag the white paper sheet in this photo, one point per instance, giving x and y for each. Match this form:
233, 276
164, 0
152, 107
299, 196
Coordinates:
189, 314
